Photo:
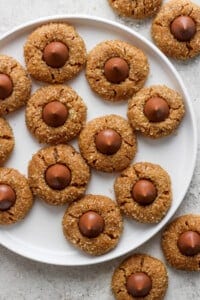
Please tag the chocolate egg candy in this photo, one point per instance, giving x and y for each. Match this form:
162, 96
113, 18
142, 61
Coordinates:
156, 109
56, 54
55, 114
144, 192
91, 224
116, 69
189, 243
139, 284
6, 86
58, 176
183, 28
7, 197
108, 141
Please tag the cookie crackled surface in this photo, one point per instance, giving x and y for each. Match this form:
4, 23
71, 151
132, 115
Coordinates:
58, 174
115, 70
54, 53
55, 114
176, 29
93, 224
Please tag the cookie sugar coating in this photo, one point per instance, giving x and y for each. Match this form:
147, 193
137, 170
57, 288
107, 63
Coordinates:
153, 212
140, 263
108, 238
138, 70
139, 120
19, 91
6, 140
40, 39
170, 238
75, 119
136, 9
162, 33
23, 196
50, 156
103, 162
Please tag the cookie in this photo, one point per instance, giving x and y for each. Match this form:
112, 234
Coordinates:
181, 243
15, 196
108, 143
6, 140
15, 85
175, 29
156, 111
143, 192
136, 9
58, 174
140, 276
55, 114
54, 53
93, 224
115, 70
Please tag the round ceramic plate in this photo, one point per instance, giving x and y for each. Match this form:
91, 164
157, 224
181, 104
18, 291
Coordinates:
39, 236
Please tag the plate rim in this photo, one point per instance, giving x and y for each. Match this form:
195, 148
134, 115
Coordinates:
96, 19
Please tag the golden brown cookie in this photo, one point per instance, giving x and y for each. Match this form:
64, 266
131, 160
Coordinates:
156, 111
136, 9
116, 70
15, 85
93, 224
55, 114
181, 243
15, 196
58, 174
140, 276
108, 143
6, 140
54, 53
175, 29
143, 192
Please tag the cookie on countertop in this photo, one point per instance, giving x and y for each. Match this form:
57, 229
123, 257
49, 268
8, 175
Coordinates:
136, 9
93, 224
115, 70
15, 85
143, 192
181, 243
15, 196
55, 114
7, 141
156, 111
175, 29
140, 276
108, 143
54, 53
58, 174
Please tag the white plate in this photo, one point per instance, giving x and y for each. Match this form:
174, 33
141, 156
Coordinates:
40, 236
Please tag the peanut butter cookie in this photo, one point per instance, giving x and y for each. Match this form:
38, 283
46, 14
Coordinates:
181, 243
108, 143
6, 140
55, 114
15, 85
58, 174
93, 224
143, 192
140, 277
15, 196
116, 70
136, 9
156, 111
175, 29
54, 53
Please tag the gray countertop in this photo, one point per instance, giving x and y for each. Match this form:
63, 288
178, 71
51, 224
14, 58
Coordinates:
21, 278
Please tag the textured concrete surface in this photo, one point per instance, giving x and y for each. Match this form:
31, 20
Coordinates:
24, 279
